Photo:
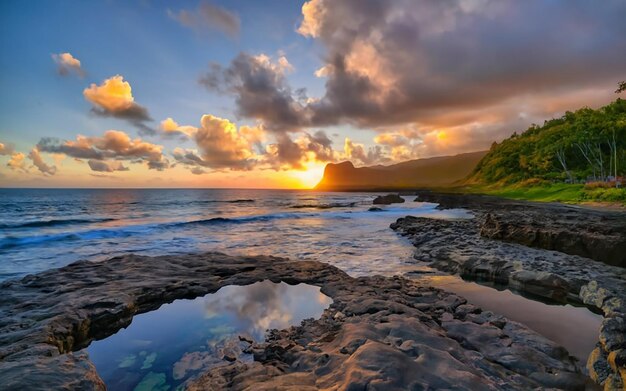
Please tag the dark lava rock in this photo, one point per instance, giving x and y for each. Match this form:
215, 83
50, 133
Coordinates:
379, 332
589, 232
508, 242
375, 209
388, 199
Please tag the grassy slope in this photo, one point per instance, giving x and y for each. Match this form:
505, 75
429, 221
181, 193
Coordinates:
554, 192
525, 166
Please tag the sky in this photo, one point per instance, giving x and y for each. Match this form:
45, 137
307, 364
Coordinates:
264, 94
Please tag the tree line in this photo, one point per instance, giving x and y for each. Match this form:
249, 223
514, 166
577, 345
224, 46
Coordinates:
580, 146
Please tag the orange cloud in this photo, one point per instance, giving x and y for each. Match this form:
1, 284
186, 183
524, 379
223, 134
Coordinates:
313, 13
38, 162
358, 154
6, 149
172, 128
114, 144
114, 98
220, 146
114, 94
67, 63
16, 162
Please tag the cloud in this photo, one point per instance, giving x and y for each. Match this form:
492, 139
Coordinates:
104, 166
209, 16
114, 98
170, 127
38, 162
439, 66
357, 153
17, 162
288, 154
66, 64
261, 90
6, 149
313, 13
390, 62
220, 145
114, 144
197, 171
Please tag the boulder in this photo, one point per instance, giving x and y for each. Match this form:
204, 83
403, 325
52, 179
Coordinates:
388, 199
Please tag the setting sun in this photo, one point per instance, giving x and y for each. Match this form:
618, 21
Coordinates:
308, 178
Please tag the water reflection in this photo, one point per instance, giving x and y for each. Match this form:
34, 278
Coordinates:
160, 350
575, 328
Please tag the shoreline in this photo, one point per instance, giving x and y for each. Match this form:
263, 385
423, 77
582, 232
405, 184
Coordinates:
513, 243
50, 317
465, 191
413, 334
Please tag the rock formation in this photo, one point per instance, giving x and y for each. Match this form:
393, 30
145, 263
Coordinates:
380, 332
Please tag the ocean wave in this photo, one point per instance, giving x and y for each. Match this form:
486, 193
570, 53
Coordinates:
9, 242
54, 223
12, 241
325, 206
243, 219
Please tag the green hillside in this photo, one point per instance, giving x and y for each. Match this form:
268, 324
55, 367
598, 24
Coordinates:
560, 160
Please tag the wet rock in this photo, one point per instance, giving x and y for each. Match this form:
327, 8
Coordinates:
375, 209
379, 332
388, 199
542, 284
481, 248
598, 234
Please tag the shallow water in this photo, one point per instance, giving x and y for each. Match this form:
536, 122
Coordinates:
575, 328
42, 229
193, 334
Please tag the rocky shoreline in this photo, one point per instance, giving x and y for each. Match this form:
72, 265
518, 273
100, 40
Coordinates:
379, 333
512, 243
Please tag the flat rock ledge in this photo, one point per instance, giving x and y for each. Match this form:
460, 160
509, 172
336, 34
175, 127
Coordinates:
470, 249
594, 233
379, 332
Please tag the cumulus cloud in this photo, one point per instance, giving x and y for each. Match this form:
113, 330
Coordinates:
114, 98
114, 144
38, 162
66, 64
392, 62
221, 146
288, 154
441, 66
209, 16
357, 153
6, 149
17, 162
261, 90
169, 127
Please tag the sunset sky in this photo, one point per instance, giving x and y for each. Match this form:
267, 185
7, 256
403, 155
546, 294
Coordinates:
265, 93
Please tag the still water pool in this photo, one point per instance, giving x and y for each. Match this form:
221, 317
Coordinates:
161, 349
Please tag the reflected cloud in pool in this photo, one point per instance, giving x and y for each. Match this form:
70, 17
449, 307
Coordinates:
160, 350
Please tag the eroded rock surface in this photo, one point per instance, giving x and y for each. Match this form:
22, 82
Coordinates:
591, 233
379, 333
467, 248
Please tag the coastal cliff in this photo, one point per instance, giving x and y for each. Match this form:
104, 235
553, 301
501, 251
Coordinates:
438, 171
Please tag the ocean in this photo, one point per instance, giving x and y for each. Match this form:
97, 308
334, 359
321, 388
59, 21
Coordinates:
42, 229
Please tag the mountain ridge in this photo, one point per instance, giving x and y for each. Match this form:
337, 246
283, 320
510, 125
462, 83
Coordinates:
438, 171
